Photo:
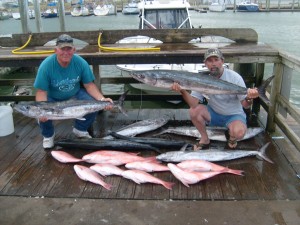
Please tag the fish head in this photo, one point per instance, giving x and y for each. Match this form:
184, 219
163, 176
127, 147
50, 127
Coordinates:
146, 77
25, 109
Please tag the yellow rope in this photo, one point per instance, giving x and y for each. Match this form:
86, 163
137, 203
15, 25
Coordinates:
123, 49
15, 51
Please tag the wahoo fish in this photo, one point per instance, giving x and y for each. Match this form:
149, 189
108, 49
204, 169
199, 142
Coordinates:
139, 177
70, 109
140, 127
214, 133
156, 142
213, 155
98, 144
200, 82
87, 174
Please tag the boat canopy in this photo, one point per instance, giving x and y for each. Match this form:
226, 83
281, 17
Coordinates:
165, 16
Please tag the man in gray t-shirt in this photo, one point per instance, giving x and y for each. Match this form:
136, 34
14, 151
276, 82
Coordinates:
221, 110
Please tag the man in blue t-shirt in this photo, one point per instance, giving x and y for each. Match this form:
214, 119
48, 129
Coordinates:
221, 110
59, 78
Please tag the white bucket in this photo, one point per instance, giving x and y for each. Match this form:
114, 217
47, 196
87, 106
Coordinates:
6, 121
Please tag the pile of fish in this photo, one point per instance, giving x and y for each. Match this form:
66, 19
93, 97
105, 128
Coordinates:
189, 170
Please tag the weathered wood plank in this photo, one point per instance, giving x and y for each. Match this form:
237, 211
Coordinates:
112, 36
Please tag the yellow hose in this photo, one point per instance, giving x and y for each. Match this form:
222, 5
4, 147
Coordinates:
15, 51
123, 49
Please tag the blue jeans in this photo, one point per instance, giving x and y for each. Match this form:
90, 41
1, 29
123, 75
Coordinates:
47, 128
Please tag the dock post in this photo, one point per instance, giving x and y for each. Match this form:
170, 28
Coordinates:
37, 11
23, 9
278, 72
61, 12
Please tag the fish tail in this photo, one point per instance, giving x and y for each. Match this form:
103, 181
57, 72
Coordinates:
263, 87
107, 186
262, 153
168, 185
120, 103
236, 172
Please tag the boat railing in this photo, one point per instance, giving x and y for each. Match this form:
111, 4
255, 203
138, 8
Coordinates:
244, 53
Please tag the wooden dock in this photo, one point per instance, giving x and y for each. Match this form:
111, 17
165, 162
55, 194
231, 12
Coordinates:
28, 172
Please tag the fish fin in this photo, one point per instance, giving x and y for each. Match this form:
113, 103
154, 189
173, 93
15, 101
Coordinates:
107, 186
236, 172
263, 87
81, 118
185, 184
184, 147
120, 103
168, 185
262, 153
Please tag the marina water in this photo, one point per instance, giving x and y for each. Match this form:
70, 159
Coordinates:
279, 29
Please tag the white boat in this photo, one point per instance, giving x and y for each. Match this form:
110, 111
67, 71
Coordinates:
217, 6
104, 10
4, 15
131, 8
80, 10
50, 13
247, 6
17, 16
160, 14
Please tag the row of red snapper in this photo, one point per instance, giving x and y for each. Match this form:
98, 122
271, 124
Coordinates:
106, 163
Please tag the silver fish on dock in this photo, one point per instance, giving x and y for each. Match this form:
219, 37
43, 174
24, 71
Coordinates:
156, 142
213, 155
214, 133
140, 127
70, 109
200, 82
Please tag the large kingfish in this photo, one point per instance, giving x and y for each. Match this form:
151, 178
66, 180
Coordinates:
98, 144
212, 155
140, 127
214, 133
156, 142
202, 83
70, 109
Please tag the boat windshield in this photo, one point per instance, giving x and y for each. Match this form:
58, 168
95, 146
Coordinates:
165, 19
